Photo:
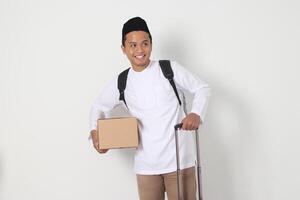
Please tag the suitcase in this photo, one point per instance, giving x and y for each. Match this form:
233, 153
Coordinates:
179, 186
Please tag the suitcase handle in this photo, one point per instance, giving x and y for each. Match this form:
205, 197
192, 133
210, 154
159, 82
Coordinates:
179, 183
178, 126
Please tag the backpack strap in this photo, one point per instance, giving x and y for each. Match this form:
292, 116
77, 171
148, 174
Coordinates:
122, 79
166, 68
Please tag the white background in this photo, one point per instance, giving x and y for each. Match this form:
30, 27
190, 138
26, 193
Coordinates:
56, 56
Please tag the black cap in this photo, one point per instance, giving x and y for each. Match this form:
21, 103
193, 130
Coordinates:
134, 24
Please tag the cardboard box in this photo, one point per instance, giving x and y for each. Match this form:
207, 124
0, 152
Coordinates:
118, 133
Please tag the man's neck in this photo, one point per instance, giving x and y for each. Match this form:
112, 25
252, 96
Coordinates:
140, 68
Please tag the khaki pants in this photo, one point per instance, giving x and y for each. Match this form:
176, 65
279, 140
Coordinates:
153, 187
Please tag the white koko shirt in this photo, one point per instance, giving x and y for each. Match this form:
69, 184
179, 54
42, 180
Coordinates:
151, 98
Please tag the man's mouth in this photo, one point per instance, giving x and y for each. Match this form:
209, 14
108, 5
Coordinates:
140, 57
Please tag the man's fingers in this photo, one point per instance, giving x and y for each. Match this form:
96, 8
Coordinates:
103, 150
191, 122
96, 146
100, 150
188, 125
96, 142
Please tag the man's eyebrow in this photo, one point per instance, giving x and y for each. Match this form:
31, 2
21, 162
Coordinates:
134, 42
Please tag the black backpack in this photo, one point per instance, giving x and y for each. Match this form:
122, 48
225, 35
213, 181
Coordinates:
166, 68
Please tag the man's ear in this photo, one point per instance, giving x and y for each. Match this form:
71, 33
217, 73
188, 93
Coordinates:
123, 49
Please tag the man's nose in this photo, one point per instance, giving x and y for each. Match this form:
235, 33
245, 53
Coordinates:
139, 48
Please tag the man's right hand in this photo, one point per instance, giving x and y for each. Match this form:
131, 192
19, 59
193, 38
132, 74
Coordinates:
96, 142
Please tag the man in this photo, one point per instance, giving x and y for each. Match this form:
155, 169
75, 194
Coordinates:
150, 97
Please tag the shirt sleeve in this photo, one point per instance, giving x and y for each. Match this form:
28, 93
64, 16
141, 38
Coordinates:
106, 101
190, 82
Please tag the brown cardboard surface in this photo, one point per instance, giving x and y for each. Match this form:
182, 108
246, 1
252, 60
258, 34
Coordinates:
118, 133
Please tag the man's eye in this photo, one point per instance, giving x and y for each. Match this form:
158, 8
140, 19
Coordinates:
146, 44
132, 45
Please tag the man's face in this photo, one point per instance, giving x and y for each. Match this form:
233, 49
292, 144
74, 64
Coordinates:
138, 49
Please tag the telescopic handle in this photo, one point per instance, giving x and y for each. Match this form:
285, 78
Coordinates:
178, 126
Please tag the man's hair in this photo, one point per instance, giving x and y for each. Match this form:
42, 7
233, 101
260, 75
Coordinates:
135, 24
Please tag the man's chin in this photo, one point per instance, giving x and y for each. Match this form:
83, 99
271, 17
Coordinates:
142, 64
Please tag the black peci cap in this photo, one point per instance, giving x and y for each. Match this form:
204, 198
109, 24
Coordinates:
134, 24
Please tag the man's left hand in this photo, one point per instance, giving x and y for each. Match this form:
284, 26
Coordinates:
191, 122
